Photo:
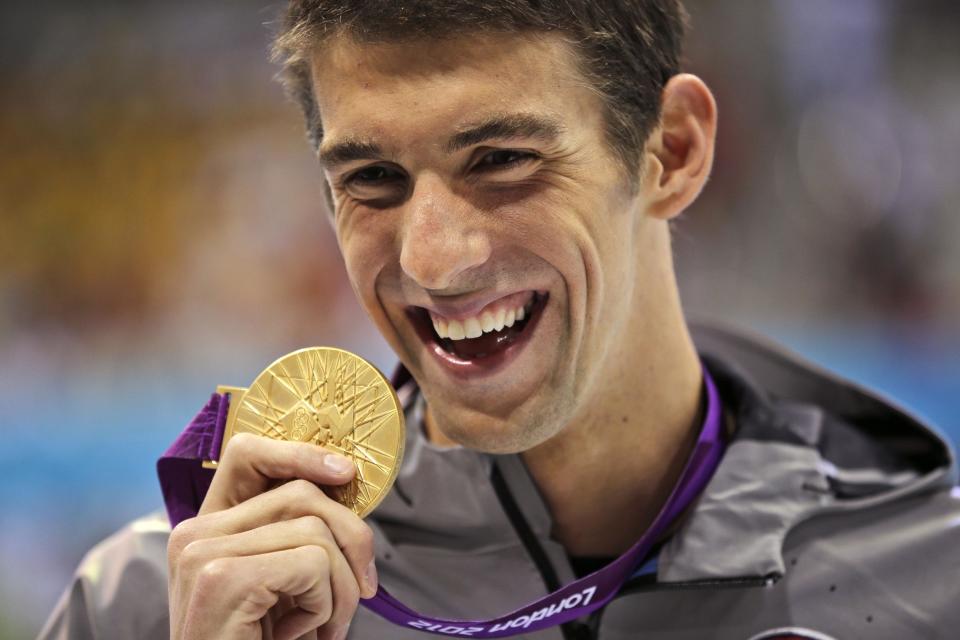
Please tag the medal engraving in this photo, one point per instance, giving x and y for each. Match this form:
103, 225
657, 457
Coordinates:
336, 400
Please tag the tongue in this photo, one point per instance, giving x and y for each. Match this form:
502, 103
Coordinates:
487, 344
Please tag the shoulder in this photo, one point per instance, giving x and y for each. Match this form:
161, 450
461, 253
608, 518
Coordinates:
907, 549
889, 567
885, 572
120, 588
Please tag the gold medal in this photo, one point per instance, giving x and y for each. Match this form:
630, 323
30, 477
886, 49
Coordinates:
334, 399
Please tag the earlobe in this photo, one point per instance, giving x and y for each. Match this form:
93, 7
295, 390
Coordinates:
679, 153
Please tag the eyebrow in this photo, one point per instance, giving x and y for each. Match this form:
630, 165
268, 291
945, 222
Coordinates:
348, 151
499, 127
519, 125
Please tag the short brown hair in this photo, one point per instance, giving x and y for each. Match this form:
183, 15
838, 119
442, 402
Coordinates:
628, 49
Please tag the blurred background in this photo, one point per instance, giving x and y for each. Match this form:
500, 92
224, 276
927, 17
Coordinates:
162, 231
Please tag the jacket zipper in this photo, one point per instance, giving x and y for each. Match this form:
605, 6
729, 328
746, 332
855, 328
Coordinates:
572, 630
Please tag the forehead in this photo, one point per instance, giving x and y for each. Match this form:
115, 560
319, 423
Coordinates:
393, 90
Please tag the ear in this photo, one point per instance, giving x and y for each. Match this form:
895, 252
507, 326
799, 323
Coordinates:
679, 152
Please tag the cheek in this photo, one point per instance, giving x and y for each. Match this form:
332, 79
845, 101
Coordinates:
550, 227
566, 237
588, 236
367, 245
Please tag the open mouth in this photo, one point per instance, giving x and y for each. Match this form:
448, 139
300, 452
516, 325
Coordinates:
483, 339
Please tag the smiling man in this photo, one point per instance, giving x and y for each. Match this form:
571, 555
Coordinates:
501, 179
518, 265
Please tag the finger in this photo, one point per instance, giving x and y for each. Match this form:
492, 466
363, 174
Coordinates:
276, 536
231, 595
290, 501
284, 605
346, 597
253, 464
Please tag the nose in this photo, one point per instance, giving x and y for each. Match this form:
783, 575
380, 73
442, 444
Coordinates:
442, 236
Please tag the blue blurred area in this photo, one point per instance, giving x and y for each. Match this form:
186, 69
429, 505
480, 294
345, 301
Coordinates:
922, 375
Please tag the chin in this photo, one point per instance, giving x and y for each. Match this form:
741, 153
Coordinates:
522, 430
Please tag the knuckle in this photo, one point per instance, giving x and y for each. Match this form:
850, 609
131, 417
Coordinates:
240, 446
303, 491
364, 537
181, 536
214, 573
361, 540
317, 556
314, 528
192, 556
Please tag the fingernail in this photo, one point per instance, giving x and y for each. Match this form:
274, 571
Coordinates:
337, 464
371, 576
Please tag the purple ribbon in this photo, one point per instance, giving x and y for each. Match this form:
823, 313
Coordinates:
185, 483
183, 480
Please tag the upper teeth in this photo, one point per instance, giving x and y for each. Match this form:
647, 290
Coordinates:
476, 326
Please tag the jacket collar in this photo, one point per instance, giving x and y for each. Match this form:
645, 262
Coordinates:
806, 443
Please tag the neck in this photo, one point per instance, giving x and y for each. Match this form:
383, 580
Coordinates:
606, 477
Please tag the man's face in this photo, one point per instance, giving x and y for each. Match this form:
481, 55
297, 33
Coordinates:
474, 190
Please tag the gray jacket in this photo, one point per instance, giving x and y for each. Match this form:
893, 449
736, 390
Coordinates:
833, 510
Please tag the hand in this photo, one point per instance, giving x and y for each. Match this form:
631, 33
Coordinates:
270, 555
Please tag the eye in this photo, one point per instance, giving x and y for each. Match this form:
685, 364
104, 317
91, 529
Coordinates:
504, 159
377, 183
373, 175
